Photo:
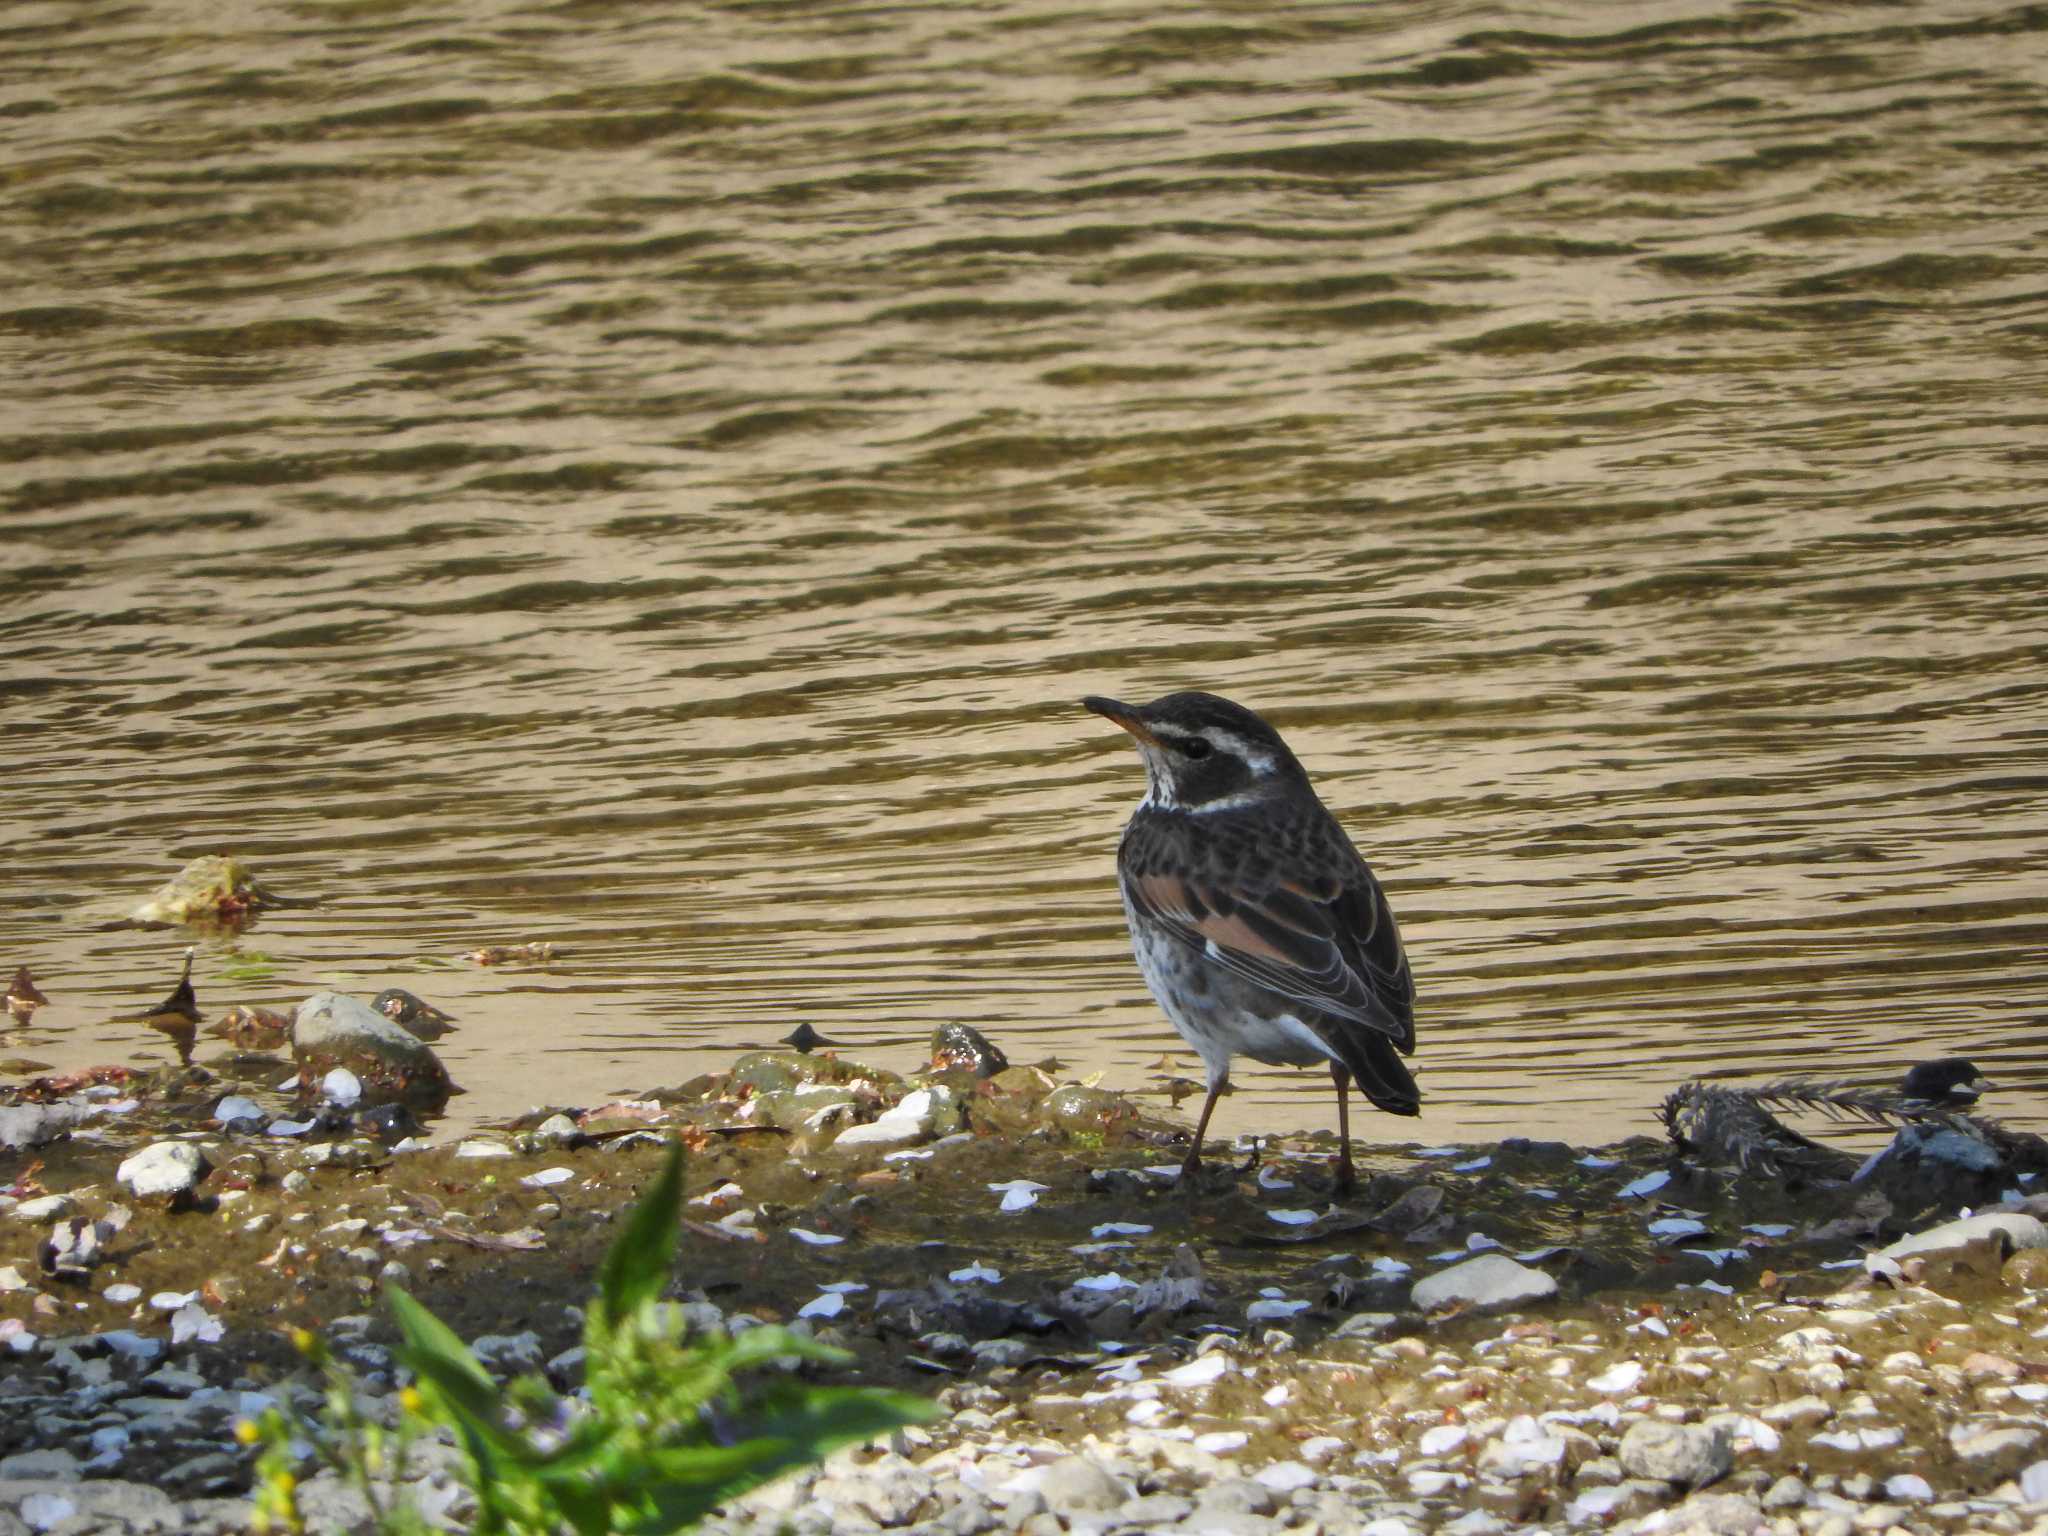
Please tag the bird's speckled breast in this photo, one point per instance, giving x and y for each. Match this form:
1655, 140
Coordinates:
1216, 1011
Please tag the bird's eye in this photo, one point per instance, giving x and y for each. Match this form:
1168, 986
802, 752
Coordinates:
1195, 746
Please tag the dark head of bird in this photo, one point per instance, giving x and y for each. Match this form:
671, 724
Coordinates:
1204, 753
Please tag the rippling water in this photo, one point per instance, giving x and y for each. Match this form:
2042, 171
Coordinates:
658, 478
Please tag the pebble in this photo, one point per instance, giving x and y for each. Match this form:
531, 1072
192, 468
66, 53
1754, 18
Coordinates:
1488, 1282
163, 1169
1080, 1485
1690, 1455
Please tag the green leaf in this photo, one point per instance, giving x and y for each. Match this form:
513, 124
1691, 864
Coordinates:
438, 1357
636, 1267
768, 1343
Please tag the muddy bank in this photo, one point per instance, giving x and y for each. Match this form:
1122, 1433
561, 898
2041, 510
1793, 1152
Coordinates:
1473, 1335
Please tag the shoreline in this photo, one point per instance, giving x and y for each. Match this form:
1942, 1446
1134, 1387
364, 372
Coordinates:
1258, 1345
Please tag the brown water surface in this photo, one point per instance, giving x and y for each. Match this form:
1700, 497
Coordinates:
657, 478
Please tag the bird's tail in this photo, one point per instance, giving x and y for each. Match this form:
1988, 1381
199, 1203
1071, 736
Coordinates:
1381, 1074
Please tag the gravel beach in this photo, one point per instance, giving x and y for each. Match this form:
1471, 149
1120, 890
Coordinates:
1481, 1339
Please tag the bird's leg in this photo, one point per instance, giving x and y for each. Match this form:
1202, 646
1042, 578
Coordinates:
1347, 1176
1193, 1165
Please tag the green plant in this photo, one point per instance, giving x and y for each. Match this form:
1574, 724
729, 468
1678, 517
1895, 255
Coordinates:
665, 1435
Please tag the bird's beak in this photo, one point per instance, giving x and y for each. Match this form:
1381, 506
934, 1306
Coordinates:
1125, 715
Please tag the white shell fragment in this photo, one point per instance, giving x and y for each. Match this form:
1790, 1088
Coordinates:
1120, 1229
1292, 1218
1674, 1229
815, 1239
1108, 1282
976, 1273
1648, 1184
548, 1176
831, 1304
478, 1148
1019, 1194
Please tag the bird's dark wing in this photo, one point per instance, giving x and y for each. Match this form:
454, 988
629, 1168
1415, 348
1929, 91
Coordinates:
1293, 909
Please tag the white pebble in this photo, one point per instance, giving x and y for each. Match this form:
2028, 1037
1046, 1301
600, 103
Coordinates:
1285, 1476
831, 1304
1908, 1485
1198, 1372
1270, 1310
547, 1176
1624, 1377
1291, 1218
1108, 1282
1222, 1442
815, 1239
1441, 1439
976, 1273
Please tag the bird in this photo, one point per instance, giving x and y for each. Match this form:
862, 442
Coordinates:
24, 997
1258, 927
804, 1040
417, 1016
177, 1015
1951, 1082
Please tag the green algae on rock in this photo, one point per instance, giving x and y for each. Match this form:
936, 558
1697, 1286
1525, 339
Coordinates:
215, 890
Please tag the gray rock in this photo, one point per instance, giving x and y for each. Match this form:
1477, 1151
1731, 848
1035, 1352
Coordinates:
39, 1464
2009, 1229
1365, 1325
887, 1491
1690, 1455
1481, 1284
565, 1371
31, 1125
1788, 1492
1158, 1509
44, 1208
208, 1472
1525, 1446
508, 1354
331, 1030
1231, 1522
1235, 1495
1076, 1485
1715, 1514
130, 1345
164, 1169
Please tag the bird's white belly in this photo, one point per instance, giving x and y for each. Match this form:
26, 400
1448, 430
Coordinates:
1216, 1013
